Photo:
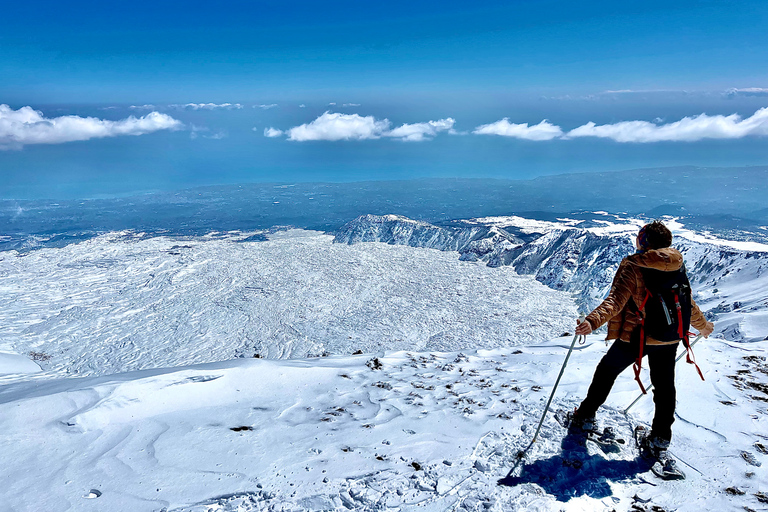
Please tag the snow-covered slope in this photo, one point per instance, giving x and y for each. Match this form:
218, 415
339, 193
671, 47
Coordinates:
122, 302
732, 288
395, 431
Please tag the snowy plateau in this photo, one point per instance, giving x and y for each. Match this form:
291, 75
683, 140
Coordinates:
390, 365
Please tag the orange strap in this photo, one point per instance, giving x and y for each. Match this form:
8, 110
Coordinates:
639, 362
689, 357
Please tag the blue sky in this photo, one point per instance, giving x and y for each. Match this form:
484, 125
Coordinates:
467, 64
55, 52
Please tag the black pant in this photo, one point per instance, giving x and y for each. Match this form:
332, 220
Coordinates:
661, 361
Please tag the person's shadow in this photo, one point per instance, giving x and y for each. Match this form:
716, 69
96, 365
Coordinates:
574, 472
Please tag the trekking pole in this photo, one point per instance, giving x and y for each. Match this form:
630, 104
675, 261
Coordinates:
581, 339
651, 386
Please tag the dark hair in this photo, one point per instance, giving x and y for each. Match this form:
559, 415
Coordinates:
655, 236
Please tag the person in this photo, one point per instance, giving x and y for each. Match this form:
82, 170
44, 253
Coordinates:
621, 310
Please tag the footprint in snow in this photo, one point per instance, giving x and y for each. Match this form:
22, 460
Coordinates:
196, 380
751, 459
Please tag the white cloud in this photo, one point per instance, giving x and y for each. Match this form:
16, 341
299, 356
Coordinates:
748, 91
302, 106
351, 105
207, 106
330, 126
542, 131
142, 107
272, 132
28, 126
688, 129
266, 107
421, 131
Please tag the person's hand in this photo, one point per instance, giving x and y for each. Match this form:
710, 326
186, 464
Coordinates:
583, 328
706, 331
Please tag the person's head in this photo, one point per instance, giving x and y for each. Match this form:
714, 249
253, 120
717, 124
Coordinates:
654, 236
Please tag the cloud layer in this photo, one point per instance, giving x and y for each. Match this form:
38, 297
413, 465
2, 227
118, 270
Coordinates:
334, 126
207, 106
688, 129
28, 126
748, 91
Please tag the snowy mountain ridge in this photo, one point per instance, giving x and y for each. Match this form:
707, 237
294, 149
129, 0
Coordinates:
398, 230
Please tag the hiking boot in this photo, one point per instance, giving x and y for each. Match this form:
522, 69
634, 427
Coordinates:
656, 447
578, 423
608, 435
669, 465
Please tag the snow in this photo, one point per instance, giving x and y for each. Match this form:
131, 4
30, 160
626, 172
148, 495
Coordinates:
150, 399
525, 225
11, 363
620, 225
433, 430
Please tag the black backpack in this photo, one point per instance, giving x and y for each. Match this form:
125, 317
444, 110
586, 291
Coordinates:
665, 314
667, 304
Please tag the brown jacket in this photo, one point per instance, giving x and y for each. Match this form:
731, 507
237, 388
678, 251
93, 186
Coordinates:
620, 308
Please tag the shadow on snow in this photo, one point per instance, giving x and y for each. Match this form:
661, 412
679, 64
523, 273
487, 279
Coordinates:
575, 472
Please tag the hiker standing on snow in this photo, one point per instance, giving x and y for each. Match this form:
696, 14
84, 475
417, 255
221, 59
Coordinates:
629, 321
